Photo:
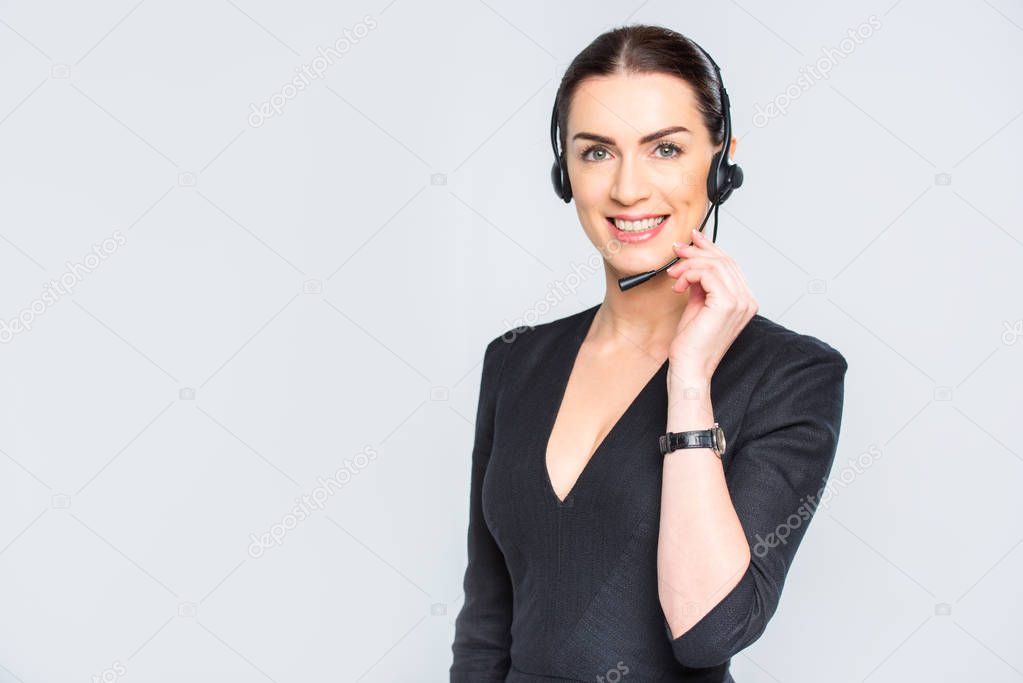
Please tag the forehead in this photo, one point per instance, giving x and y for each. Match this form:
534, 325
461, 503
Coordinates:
626, 107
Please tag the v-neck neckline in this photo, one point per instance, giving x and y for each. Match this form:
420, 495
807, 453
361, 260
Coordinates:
578, 337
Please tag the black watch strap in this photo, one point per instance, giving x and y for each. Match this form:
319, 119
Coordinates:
712, 438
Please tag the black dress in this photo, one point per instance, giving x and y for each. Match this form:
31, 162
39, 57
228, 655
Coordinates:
567, 590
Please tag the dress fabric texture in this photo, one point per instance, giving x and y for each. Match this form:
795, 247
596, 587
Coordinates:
567, 590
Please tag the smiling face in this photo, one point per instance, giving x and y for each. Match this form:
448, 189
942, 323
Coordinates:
637, 148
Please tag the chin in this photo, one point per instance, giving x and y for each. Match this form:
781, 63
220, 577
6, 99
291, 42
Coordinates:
630, 261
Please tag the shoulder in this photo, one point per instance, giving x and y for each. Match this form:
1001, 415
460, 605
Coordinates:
533, 340
773, 344
794, 378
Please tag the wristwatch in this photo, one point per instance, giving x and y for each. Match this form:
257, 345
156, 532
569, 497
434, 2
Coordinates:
713, 438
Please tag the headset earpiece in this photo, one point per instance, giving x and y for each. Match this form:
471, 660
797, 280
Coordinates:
724, 176
715, 179
733, 181
559, 178
559, 171
722, 179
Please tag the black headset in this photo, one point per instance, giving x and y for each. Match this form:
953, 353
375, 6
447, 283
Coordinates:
724, 176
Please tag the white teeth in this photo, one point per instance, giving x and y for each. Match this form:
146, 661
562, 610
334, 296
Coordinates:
638, 226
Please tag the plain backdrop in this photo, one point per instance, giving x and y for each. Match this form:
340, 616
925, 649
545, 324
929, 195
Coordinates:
222, 292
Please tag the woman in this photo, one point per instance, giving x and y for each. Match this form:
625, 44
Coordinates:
597, 552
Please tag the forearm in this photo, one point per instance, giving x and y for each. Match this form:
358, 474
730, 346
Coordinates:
702, 551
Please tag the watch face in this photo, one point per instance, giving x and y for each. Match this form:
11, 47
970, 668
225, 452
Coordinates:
720, 436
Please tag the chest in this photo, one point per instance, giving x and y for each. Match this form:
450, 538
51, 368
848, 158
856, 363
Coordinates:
598, 395
591, 442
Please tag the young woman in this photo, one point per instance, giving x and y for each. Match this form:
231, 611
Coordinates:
601, 547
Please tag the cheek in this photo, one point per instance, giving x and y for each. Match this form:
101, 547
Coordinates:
591, 200
591, 219
593, 183
686, 183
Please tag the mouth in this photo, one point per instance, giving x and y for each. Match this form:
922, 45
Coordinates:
636, 231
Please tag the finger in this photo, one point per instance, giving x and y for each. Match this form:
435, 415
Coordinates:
713, 282
731, 277
694, 242
691, 275
684, 250
729, 281
706, 278
737, 283
704, 241
687, 251
692, 262
734, 267
744, 293
699, 246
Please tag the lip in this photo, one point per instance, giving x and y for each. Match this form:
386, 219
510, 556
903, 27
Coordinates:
634, 237
637, 217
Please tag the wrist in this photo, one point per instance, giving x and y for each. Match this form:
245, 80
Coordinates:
685, 421
689, 368
687, 381
689, 401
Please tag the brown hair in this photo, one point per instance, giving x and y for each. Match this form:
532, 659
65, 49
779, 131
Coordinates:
640, 48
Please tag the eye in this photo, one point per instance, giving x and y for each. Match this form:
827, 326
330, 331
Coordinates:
674, 149
593, 148
673, 152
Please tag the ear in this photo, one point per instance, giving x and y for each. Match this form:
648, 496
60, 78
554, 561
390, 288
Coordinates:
731, 150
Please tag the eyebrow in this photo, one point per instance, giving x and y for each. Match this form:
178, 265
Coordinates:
645, 139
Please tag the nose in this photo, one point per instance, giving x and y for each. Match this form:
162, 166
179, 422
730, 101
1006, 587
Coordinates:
630, 184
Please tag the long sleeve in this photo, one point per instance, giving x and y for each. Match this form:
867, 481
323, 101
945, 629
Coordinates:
787, 446
483, 626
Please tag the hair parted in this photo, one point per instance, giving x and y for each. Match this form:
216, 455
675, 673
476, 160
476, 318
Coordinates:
640, 49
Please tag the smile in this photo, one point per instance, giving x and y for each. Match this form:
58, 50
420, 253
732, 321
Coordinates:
636, 231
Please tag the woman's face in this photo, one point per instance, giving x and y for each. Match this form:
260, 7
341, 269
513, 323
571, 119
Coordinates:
637, 147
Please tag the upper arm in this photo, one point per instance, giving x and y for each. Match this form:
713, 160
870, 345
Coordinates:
483, 625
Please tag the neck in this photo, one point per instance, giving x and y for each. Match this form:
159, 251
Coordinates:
645, 316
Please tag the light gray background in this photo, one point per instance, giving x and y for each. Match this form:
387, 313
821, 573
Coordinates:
288, 295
